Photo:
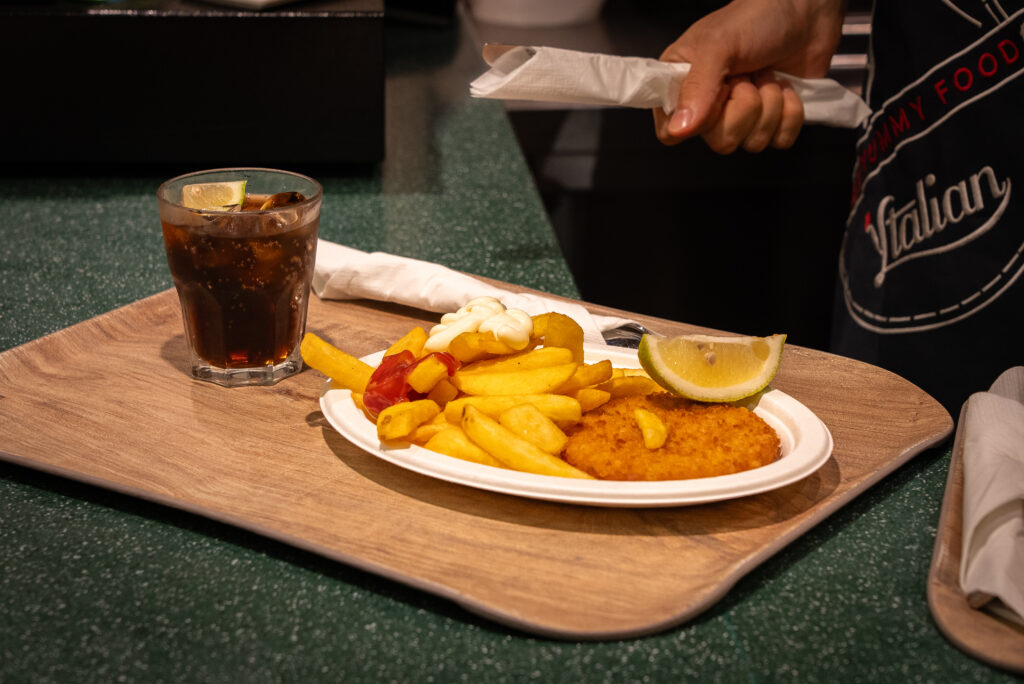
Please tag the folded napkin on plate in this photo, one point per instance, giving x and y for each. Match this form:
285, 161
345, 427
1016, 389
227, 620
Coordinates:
992, 561
548, 74
346, 273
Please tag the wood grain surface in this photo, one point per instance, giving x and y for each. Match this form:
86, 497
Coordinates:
110, 402
976, 632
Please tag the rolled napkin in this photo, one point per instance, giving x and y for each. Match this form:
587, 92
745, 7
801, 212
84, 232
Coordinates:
547, 74
345, 273
992, 559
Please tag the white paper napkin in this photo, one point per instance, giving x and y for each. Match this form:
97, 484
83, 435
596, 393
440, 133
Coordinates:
345, 273
547, 74
992, 560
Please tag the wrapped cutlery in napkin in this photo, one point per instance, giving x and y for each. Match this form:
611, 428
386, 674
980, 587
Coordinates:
345, 273
992, 560
547, 74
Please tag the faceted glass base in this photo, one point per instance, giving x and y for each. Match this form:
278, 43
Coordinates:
240, 377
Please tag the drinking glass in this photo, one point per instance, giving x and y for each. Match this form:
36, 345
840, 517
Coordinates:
243, 272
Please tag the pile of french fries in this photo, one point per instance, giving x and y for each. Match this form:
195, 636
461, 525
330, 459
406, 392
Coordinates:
501, 407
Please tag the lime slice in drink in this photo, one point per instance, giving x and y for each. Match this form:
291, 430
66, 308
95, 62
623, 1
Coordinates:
223, 196
711, 368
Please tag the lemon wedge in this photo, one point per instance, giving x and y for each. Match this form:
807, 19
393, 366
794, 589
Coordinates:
711, 368
222, 196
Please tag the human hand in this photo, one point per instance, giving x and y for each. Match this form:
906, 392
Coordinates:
731, 96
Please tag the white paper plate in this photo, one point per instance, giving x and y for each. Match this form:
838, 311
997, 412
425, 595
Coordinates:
806, 446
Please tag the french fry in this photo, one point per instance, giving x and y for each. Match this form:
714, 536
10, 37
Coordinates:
563, 410
422, 434
412, 340
587, 375
629, 385
398, 421
344, 370
558, 330
528, 360
629, 372
653, 430
443, 392
452, 441
527, 422
591, 397
357, 399
511, 451
427, 374
529, 381
471, 346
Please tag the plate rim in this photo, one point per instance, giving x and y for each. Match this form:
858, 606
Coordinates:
811, 446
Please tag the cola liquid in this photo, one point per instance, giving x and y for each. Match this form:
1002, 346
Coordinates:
243, 281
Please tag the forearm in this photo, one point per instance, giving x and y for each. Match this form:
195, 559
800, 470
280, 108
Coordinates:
731, 96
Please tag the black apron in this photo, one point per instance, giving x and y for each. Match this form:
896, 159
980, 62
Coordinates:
930, 282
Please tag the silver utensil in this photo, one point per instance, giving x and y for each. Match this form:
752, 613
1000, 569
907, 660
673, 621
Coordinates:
627, 335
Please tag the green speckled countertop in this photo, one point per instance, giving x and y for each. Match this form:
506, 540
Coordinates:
97, 586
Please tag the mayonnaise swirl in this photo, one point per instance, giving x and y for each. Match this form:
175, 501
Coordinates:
483, 314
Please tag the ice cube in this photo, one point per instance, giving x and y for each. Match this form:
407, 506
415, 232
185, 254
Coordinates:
282, 199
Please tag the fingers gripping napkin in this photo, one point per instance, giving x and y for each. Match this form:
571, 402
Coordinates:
992, 560
346, 273
548, 74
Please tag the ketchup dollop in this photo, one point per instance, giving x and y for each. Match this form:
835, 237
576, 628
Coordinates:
389, 384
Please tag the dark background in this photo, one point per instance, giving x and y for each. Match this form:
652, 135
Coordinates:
745, 243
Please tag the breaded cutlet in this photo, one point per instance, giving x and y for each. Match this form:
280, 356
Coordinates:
704, 440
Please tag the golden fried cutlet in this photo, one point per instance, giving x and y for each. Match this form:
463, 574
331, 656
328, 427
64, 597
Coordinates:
704, 440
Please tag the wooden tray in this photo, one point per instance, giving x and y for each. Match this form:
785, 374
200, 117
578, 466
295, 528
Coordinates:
109, 402
976, 632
